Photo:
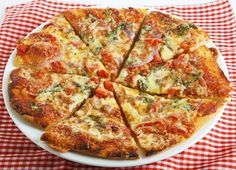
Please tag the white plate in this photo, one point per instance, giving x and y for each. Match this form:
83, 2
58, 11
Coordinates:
34, 133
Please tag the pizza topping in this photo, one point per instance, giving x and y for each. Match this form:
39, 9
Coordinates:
107, 57
181, 29
153, 42
142, 85
147, 28
58, 67
101, 93
108, 85
113, 34
103, 73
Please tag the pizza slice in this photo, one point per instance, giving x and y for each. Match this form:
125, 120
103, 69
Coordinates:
162, 38
121, 40
159, 122
56, 48
44, 98
109, 32
96, 129
195, 74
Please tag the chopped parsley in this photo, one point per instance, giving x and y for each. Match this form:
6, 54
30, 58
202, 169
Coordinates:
131, 61
97, 50
113, 34
147, 100
57, 88
147, 28
164, 19
181, 29
142, 85
194, 78
121, 26
187, 107
86, 88
192, 26
94, 117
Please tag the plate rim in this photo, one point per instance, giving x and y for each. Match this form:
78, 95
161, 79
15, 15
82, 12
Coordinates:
27, 128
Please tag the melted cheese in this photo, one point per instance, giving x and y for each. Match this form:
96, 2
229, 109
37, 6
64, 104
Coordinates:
56, 94
166, 53
132, 114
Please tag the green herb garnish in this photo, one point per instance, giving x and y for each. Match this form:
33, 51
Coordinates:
182, 29
97, 50
192, 26
187, 107
147, 28
113, 34
94, 117
142, 85
147, 100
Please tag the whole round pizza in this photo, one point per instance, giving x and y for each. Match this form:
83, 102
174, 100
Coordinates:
116, 83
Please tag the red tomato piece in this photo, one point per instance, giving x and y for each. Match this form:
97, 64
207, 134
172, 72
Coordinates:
108, 85
102, 73
95, 79
101, 93
58, 67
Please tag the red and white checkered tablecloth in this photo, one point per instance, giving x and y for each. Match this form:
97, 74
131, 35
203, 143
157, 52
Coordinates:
217, 150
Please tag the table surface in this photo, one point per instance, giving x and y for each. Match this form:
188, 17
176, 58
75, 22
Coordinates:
5, 3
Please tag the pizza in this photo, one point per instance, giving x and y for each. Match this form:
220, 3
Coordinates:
44, 98
159, 122
96, 129
106, 31
56, 48
116, 83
